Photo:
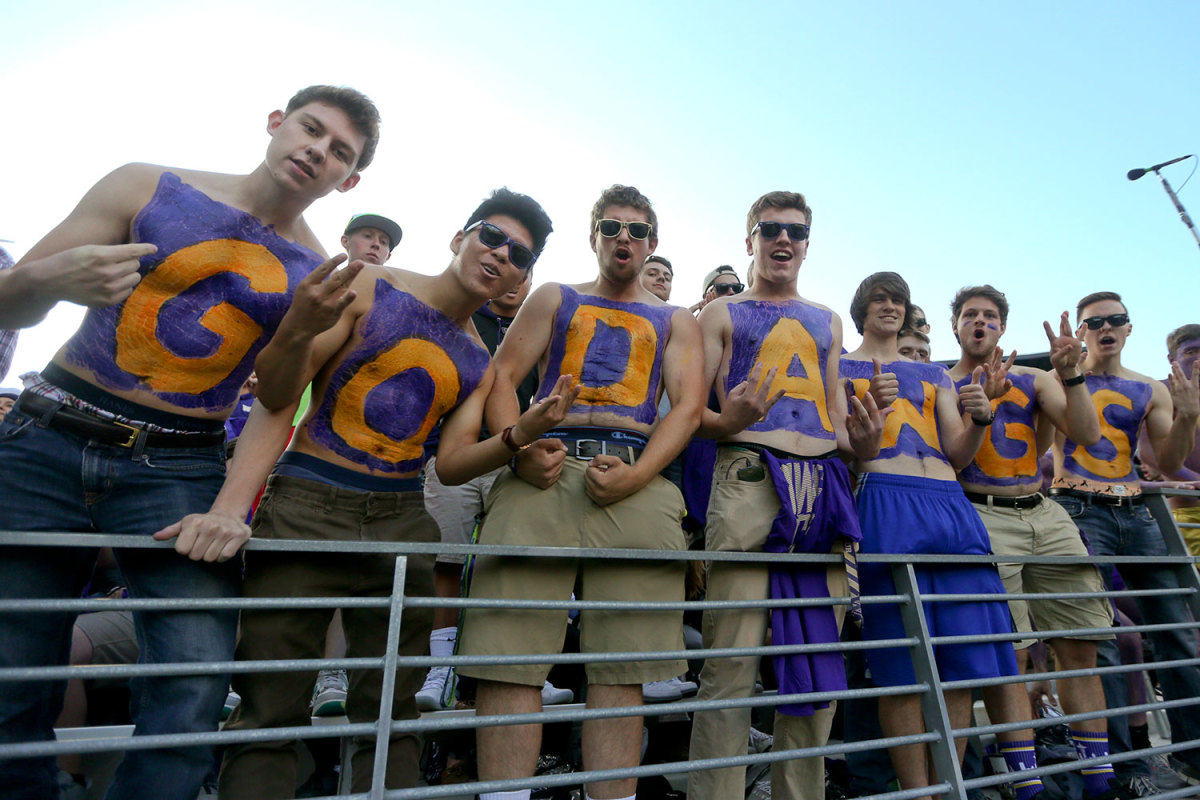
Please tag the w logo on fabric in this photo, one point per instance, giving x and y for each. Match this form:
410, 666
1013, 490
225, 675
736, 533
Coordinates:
209, 335
803, 482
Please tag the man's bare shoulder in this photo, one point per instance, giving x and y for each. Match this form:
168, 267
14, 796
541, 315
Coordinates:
1129, 375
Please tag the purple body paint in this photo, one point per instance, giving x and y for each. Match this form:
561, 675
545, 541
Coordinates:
911, 429
794, 337
413, 366
1121, 405
613, 349
209, 300
1008, 456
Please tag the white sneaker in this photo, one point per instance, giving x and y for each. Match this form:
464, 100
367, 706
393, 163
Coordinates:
438, 691
329, 693
554, 696
232, 701
760, 742
668, 691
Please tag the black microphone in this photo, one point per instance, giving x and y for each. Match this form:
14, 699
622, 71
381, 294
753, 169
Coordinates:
1134, 174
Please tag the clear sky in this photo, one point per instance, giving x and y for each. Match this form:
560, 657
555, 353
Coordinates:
954, 143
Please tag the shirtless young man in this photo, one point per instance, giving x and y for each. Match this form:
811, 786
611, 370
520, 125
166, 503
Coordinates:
909, 501
1004, 484
772, 357
593, 483
1099, 488
124, 433
1183, 348
402, 356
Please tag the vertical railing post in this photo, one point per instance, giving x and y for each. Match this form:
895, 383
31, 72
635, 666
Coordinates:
383, 731
933, 702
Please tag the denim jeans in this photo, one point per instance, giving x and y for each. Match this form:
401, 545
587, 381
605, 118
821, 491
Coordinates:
56, 481
1132, 531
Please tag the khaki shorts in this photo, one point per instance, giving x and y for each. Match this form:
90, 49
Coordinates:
454, 508
518, 513
1046, 530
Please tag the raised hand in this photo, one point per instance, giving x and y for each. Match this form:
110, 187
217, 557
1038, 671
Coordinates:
995, 374
864, 423
549, 412
321, 297
1185, 391
973, 398
1066, 349
750, 400
885, 388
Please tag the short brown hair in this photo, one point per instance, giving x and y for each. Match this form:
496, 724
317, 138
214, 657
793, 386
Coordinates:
358, 107
1096, 297
1180, 335
913, 332
890, 282
986, 291
618, 195
777, 200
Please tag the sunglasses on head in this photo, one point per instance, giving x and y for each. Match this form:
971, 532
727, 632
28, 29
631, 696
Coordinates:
492, 237
728, 288
610, 228
796, 231
1114, 320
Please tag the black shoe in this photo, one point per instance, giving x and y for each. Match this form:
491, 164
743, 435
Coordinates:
1116, 791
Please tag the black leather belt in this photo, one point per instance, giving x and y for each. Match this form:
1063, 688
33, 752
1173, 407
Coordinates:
587, 449
54, 415
1101, 499
1020, 503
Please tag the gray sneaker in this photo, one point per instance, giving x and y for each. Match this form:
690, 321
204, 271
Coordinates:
329, 693
760, 742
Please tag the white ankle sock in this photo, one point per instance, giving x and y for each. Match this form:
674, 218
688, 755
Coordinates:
441, 641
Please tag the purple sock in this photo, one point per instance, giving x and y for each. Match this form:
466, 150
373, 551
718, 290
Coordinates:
1093, 745
1020, 756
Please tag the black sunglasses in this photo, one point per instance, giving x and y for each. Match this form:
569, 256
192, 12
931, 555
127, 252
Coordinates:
919, 322
609, 228
1114, 320
728, 288
492, 237
796, 231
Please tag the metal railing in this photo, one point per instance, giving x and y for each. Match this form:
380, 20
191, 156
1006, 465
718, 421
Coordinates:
939, 736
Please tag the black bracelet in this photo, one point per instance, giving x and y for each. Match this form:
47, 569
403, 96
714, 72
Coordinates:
1078, 379
983, 423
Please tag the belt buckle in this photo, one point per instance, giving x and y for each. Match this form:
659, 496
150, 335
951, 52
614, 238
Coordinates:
580, 442
134, 432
